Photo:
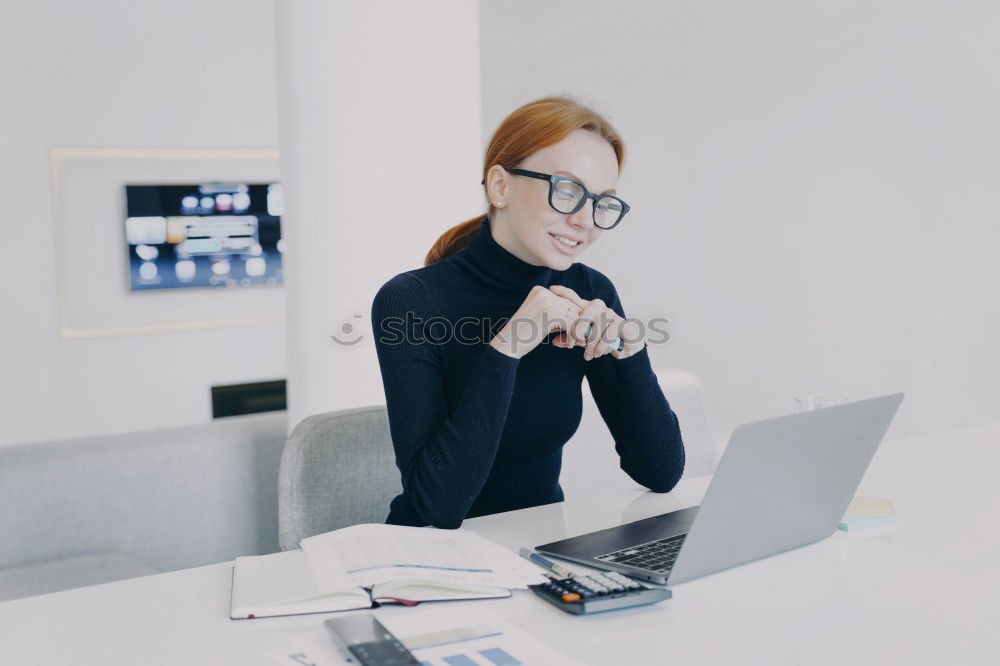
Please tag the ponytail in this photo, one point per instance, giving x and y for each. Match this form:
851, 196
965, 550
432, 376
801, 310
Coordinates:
454, 240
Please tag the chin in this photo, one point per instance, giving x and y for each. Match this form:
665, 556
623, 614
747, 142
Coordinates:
560, 263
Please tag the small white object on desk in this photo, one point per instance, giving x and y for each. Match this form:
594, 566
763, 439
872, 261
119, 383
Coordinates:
865, 513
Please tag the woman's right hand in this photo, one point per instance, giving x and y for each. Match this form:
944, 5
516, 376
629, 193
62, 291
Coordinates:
541, 313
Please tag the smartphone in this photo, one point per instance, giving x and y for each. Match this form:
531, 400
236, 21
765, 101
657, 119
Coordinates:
364, 638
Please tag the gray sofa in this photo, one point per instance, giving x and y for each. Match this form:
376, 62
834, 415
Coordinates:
93, 510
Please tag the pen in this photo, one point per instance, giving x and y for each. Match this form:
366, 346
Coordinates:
541, 561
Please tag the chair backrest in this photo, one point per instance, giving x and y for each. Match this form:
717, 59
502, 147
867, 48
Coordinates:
338, 469
591, 464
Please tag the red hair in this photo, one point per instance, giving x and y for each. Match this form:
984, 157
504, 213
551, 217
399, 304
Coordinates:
528, 129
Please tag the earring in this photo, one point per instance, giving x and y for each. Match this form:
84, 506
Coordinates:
498, 203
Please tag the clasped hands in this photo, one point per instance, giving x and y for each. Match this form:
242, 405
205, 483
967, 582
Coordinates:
596, 326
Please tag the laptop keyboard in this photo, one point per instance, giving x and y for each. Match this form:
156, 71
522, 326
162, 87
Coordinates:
656, 556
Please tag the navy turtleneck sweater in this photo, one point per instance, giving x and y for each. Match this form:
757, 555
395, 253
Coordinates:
476, 431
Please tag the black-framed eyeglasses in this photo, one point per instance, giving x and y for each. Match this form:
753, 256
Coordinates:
568, 196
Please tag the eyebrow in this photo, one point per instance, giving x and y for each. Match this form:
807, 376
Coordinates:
574, 176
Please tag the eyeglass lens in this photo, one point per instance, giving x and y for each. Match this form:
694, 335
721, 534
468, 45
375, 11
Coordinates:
567, 195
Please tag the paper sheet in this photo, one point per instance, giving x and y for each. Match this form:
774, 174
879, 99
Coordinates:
437, 637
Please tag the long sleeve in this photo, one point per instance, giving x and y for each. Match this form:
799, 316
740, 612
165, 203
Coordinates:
444, 459
645, 429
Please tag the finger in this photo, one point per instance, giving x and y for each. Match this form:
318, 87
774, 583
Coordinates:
597, 346
574, 334
563, 313
594, 341
566, 292
611, 336
591, 316
594, 316
631, 331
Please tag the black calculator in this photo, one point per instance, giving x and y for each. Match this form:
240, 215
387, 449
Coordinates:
600, 592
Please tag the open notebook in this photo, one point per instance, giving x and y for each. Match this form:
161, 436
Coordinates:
367, 565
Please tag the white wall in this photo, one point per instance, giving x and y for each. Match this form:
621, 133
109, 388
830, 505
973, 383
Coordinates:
813, 190
813, 184
192, 73
380, 117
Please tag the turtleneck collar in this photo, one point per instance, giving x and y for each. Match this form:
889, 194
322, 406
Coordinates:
499, 267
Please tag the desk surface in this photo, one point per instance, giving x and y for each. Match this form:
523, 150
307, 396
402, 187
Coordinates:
926, 594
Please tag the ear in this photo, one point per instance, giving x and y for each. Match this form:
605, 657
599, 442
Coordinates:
496, 184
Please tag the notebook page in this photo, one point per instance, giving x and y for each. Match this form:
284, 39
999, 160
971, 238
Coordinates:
283, 582
375, 553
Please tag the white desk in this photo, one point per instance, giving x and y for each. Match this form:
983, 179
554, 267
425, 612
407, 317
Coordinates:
927, 594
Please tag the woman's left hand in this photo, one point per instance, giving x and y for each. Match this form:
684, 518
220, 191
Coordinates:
605, 323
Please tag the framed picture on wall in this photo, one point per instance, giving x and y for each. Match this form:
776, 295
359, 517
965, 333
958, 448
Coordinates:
155, 240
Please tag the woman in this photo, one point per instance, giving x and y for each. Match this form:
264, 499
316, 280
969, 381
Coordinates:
484, 349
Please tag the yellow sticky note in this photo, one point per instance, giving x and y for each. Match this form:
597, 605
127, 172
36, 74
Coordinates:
870, 507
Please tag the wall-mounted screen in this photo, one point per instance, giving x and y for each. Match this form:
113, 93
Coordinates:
209, 235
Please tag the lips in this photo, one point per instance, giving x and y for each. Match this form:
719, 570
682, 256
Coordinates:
563, 247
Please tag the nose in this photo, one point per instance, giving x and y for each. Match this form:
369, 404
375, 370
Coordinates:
583, 219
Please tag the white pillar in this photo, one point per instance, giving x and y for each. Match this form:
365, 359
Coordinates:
381, 152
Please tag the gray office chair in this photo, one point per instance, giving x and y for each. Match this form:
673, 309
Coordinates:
337, 469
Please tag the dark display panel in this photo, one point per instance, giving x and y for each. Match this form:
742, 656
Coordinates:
210, 235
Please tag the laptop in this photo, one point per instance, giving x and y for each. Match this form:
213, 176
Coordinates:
782, 483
